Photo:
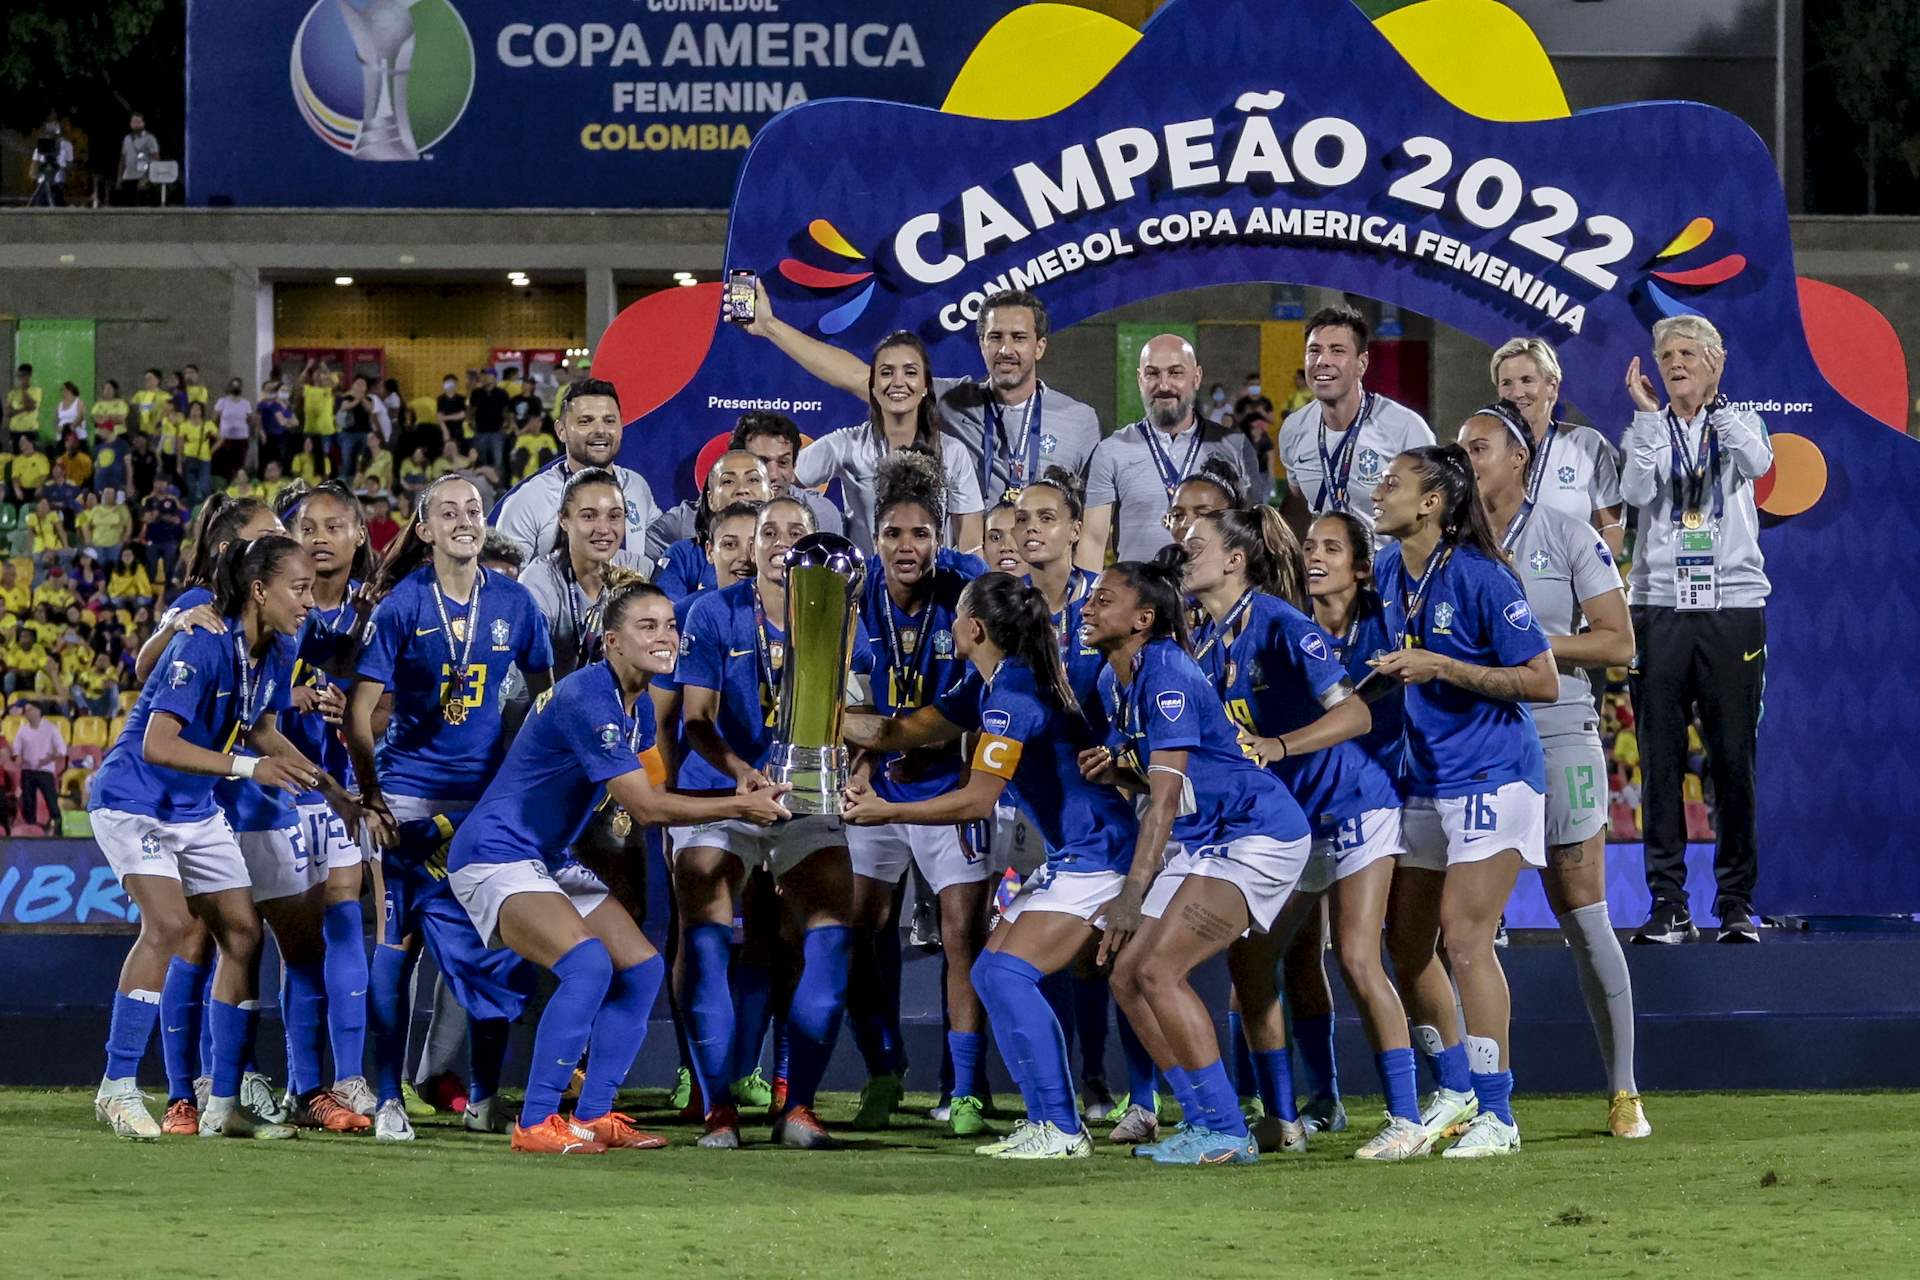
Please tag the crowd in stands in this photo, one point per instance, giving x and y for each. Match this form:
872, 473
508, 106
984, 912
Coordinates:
96, 497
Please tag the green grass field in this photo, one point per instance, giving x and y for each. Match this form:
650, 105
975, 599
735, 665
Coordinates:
1729, 1185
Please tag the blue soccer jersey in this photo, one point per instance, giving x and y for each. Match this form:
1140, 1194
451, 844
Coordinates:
1366, 639
1271, 668
327, 633
411, 654
1082, 661
685, 570
217, 693
1036, 748
578, 738
727, 646
1171, 706
912, 659
1459, 742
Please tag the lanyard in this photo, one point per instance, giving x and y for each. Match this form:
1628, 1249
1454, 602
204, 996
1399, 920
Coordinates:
1337, 465
581, 615
1170, 475
763, 649
457, 682
1079, 583
1225, 634
1020, 470
1536, 474
1419, 600
899, 662
248, 712
633, 732
1690, 482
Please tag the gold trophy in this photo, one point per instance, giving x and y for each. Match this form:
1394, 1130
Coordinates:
824, 575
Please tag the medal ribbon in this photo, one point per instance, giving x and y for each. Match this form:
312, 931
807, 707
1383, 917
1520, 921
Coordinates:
1225, 633
248, 712
1419, 600
1163, 458
1536, 474
900, 665
1690, 482
1337, 466
1019, 471
457, 684
763, 649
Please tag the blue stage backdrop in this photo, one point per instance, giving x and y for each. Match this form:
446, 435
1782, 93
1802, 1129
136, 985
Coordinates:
1294, 141
503, 104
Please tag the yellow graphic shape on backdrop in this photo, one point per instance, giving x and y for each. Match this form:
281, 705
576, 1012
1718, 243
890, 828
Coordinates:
1039, 59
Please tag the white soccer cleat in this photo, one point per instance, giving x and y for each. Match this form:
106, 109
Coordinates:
390, 1123
1447, 1113
1048, 1142
1139, 1124
202, 1091
1626, 1118
1399, 1139
1272, 1133
487, 1116
357, 1094
998, 1145
121, 1104
257, 1096
1324, 1115
1488, 1135
228, 1118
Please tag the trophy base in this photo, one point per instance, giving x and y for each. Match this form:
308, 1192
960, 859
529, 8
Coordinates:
818, 776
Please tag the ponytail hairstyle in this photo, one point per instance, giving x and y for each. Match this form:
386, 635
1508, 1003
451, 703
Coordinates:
926, 422
911, 475
732, 511
1157, 583
1069, 486
1508, 414
244, 563
1017, 620
625, 589
220, 520
562, 553
1275, 563
299, 492
409, 551
1444, 469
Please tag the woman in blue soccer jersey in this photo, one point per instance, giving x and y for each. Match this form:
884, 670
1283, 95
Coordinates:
186, 1042
907, 608
154, 814
1242, 844
1031, 735
1470, 655
1284, 684
1001, 549
1214, 488
589, 744
327, 520
443, 636
733, 652
736, 476
1573, 587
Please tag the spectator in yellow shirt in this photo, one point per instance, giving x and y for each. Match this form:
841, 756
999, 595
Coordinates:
376, 468
190, 383
312, 463
112, 525
23, 404
54, 590
273, 482
453, 458
101, 689
533, 448
197, 436
16, 595
78, 462
51, 689
30, 468
172, 419
129, 584
317, 384
24, 655
48, 528
416, 471
109, 410
149, 401
242, 485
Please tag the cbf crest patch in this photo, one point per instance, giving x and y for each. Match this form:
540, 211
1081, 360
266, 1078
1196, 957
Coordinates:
1566, 475
150, 845
633, 514
502, 634
1443, 618
943, 644
1371, 467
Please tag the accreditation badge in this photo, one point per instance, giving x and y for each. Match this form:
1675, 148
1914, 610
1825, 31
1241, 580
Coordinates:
1696, 570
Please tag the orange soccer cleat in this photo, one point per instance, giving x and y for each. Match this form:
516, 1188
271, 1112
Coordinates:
556, 1136
779, 1102
615, 1129
799, 1127
183, 1119
323, 1109
723, 1129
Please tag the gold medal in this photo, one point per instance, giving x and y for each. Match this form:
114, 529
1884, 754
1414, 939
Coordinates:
622, 823
1693, 519
908, 638
454, 711
1233, 670
777, 655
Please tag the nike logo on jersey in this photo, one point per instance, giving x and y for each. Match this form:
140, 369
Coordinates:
223, 693
1749, 657
738, 653
426, 631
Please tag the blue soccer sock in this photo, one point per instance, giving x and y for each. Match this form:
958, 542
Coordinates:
1495, 1091
1219, 1105
1314, 1037
619, 1030
1027, 1029
1180, 1085
752, 1005
891, 968
386, 1015
1057, 987
964, 1047
709, 1009
1273, 1068
819, 999
1447, 1067
182, 1010
206, 1023
345, 972
585, 973
131, 1027
233, 1028
867, 990
1140, 1084
782, 1047
1246, 1081
1090, 1025
1396, 1080
302, 1010
486, 1056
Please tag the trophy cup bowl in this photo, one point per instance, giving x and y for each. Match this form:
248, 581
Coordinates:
824, 575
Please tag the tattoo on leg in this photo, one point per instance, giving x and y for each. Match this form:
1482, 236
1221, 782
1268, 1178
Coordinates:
1206, 924
1567, 855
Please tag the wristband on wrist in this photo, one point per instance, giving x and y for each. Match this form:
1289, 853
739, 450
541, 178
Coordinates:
243, 766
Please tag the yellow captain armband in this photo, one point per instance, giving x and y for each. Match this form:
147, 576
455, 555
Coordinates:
996, 755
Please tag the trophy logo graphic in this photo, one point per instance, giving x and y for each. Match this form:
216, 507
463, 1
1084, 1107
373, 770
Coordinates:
382, 79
